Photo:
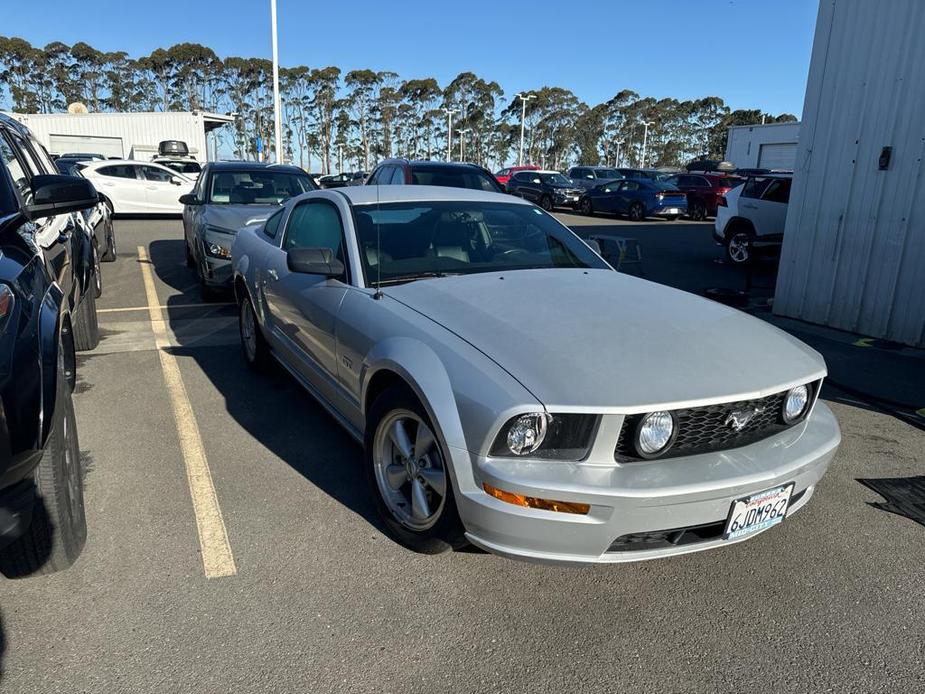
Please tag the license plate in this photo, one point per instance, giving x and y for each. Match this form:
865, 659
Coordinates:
758, 512
672, 210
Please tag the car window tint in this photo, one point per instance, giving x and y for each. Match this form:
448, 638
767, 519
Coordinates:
778, 190
151, 173
754, 187
315, 225
272, 225
118, 171
18, 172
631, 185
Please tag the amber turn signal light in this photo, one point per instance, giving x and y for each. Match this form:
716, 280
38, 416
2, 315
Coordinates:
535, 502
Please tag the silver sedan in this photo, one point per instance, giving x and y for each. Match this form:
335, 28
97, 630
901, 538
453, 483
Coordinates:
513, 391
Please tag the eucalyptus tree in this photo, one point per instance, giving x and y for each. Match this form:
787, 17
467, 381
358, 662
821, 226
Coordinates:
422, 97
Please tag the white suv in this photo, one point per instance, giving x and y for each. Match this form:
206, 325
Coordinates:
753, 218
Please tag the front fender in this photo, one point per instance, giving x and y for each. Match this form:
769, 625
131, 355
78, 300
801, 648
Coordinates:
425, 373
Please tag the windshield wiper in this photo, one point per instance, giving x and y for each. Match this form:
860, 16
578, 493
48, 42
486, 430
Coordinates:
416, 276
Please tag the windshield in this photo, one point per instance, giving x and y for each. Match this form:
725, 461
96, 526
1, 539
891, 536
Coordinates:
256, 187
427, 239
607, 173
454, 177
556, 179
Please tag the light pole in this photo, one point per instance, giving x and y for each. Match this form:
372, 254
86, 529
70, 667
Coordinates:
617, 160
277, 116
462, 143
645, 138
340, 158
524, 98
449, 131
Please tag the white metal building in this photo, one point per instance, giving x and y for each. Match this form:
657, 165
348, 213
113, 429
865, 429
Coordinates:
769, 146
124, 135
854, 245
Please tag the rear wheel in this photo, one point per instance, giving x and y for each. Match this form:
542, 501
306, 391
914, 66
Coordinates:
587, 207
739, 247
637, 212
86, 327
58, 531
408, 474
698, 212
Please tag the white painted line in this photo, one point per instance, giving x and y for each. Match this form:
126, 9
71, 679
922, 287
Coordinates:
168, 307
217, 559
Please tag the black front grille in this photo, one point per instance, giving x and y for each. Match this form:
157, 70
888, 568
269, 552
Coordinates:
706, 429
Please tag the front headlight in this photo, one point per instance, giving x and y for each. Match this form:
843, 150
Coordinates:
548, 436
654, 433
795, 404
218, 242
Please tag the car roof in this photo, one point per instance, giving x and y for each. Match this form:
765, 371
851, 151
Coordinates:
430, 163
253, 166
364, 195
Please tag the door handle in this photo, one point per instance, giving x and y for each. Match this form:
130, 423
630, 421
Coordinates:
749, 206
272, 274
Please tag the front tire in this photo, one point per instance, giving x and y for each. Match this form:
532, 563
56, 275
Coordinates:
637, 212
546, 203
587, 207
58, 531
408, 475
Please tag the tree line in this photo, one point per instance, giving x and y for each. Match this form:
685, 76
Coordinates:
362, 116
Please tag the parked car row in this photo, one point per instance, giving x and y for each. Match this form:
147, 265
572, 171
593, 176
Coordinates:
52, 231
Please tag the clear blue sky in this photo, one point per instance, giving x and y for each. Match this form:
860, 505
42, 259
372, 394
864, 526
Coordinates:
752, 53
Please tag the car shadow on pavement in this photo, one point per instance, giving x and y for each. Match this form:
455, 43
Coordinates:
905, 496
169, 261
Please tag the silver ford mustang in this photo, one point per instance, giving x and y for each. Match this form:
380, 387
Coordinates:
513, 391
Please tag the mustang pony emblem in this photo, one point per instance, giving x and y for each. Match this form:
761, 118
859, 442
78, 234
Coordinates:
738, 419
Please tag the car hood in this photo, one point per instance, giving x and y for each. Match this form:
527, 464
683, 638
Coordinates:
604, 341
233, 217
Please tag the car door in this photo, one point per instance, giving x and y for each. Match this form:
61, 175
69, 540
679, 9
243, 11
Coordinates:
192, 214
163, 188
303, 308
121, 183
626, 194
769, 211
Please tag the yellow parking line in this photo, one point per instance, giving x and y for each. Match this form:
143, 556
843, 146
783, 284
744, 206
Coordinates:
163, 306
217, 559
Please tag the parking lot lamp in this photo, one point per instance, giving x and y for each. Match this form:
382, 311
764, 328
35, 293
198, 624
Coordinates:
524, 98
617, 158
462, 143
277, 116
449, 131
645, 137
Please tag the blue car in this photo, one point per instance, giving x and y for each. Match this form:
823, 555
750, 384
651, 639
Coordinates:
637, 199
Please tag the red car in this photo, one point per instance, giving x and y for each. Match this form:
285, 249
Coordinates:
704, 191
504, 175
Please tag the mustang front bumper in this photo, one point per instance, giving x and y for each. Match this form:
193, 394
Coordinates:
635, 499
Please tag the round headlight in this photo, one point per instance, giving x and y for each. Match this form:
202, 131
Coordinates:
795, 403
527, 433
654, 433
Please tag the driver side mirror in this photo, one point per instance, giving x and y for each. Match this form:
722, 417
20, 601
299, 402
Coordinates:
314, 261
190, 199
176, 181
56, 194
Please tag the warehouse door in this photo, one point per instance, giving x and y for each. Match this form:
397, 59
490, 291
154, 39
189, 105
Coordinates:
109, 147
778, 156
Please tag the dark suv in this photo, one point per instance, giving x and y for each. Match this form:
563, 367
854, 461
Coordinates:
548, 189
433, 173
704, 191
47, 309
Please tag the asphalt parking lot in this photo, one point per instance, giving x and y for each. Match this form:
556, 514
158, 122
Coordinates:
317, 599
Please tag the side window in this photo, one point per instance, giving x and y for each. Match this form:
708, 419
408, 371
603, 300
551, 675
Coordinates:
398, 177
272, 225
151, 173
701, 182
119, 171
503, 172
674, 181
21, 176
315, 225
777, 191
630, 185
754, 187
380, 176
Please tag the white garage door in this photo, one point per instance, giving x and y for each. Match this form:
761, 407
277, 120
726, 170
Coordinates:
778, 156
86, 144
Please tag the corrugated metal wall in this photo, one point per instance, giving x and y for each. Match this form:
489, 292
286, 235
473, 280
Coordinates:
135, 129
854, 247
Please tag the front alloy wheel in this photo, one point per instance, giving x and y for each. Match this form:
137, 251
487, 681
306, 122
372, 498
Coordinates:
586, 207
410, 470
